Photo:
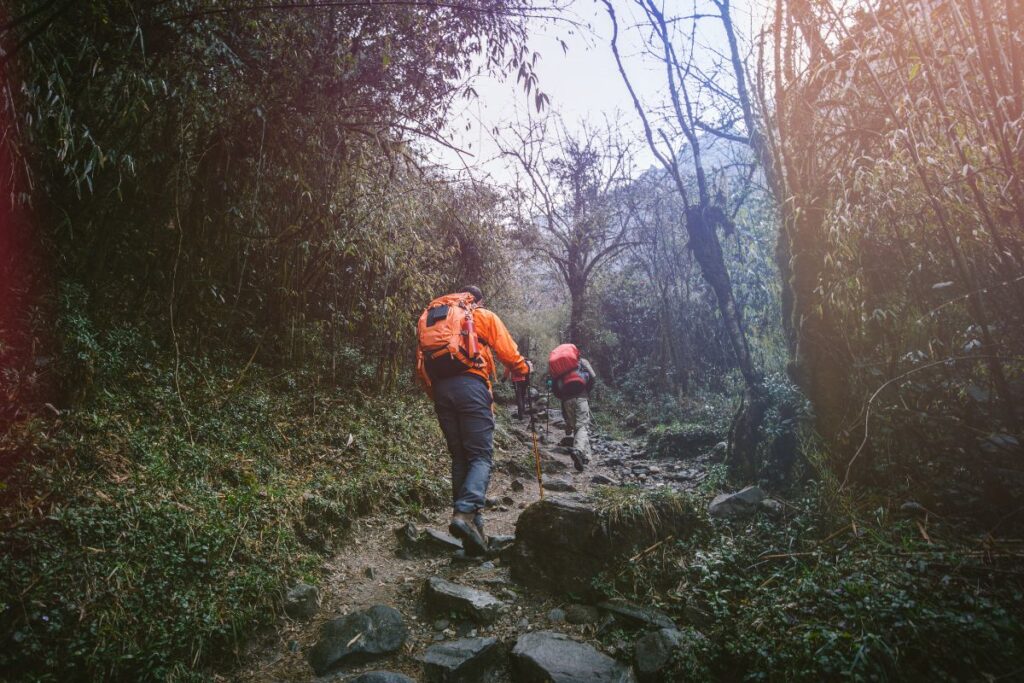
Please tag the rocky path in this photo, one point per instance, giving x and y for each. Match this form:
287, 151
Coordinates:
437, 615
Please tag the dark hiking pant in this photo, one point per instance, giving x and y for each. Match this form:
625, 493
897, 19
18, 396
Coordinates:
463, 406
521, 397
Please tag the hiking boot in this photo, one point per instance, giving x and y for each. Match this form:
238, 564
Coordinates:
472, 542
577, 459
478, 522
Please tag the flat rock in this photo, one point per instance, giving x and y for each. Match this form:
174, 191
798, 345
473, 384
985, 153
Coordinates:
737, 504
653, 653
602, 480
637, 615
380, 677
558, 485
500, 545
302, 601
469, 660
430, 540
555, 657
358, 637
441, 540
498, 541
445, 596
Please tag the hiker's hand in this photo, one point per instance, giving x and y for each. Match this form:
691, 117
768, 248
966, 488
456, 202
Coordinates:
529, 367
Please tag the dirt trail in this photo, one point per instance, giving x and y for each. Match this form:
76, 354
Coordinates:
371, 569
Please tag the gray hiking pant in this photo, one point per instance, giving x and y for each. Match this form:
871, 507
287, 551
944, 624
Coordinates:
463, 407
576, 413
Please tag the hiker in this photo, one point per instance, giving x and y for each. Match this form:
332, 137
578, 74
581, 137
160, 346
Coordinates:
454, 361
572, 378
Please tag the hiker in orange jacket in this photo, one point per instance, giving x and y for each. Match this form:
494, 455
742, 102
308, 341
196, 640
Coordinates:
457, 338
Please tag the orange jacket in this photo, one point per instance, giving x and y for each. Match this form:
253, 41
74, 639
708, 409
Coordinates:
493, 336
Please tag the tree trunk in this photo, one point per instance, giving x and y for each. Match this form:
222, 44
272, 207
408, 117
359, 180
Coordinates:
744, 434
708, 252
577, 307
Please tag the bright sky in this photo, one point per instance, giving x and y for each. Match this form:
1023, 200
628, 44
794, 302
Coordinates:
583, 84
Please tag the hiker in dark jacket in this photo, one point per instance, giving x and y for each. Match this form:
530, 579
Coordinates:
455, 363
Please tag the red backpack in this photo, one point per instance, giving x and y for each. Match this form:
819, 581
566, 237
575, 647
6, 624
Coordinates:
567, 378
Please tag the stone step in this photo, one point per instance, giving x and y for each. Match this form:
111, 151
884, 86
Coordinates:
442, 596
464, 661
555, 657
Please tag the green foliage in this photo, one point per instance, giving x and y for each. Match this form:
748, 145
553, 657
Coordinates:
637, 410
679, 440
244, 179
142, 539
825, 596
653, 324
900, 249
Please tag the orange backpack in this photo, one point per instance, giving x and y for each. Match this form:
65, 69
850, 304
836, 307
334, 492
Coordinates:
447, 338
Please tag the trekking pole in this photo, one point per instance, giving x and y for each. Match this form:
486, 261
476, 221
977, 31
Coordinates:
533, 430
547, 412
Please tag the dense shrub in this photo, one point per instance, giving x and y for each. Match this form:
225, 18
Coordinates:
824, 595
143, 536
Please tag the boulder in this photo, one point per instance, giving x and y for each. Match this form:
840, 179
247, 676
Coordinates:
555, 657
653, 653
744, 502
445, 596
381, 677
470, 660
681, 440
635, 615
302, 601
564, 541
558, 485
358, 637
